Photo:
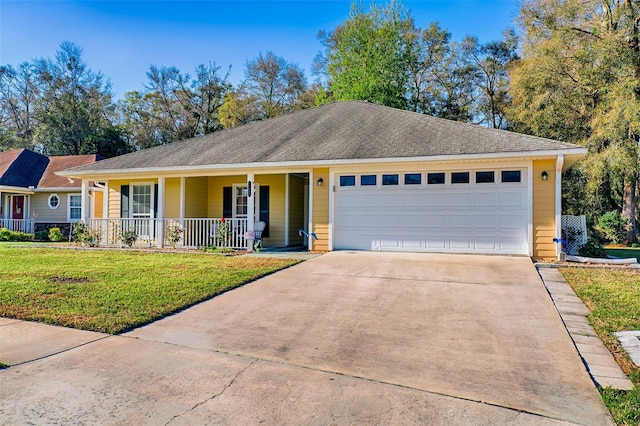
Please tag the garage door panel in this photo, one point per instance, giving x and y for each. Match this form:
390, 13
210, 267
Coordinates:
472, 218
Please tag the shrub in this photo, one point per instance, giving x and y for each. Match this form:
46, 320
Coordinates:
592, 248
612, 225
635, 245
5, 234
42, 236
129, 237
82, 234
56, 235
173, 235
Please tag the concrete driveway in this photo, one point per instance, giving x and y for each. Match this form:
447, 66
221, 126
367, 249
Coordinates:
345, 338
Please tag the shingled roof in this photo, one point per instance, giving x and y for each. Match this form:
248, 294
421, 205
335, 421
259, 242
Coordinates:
49, 178
351, 130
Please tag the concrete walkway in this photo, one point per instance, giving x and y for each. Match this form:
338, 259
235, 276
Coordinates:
344, 338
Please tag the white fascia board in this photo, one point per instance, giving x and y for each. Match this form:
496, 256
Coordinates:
303, 166
15, 189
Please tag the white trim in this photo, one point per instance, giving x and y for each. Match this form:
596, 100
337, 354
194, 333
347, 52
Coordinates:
530, 202
84, 202
332, 193
183, 200
69, 196
15, 189
559, 165
173, 171
310, 224
160, 212
251, 207
150, 184
286, 208
50, 197
105, 200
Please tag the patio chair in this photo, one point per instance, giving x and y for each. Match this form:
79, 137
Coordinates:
258, 228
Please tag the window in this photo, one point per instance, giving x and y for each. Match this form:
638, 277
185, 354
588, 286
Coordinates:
75, 207
347, 181
435, 178
485, 177
141, 201
240, 202
460, 177
412, 179
390, 179
511, 176
54, 201
368, 180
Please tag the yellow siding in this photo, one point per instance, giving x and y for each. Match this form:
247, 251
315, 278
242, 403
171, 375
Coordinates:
196, 197
97, 204
172, 198
276, 184
544, 210
296, 210
214, 206
114, 197
320, 216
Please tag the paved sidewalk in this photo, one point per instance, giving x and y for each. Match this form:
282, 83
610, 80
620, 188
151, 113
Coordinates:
599, 362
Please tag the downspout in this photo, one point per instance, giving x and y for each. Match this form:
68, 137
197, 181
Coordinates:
559, 165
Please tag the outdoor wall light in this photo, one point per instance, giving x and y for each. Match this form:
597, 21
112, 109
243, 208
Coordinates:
545, 175
320, 182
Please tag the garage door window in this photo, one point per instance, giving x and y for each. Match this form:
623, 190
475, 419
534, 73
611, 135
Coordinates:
435, 178
389, 179
511, 176
368, 180
460, 177
485, 177
347, 181
412, 179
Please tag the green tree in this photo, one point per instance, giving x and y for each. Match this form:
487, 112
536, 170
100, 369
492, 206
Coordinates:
368, 56
579, 81
19, 93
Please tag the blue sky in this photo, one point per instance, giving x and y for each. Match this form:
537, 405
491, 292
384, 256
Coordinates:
123, 38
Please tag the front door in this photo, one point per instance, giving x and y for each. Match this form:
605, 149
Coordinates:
17, 207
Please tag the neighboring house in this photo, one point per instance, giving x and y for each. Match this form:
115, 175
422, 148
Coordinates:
358, 175
34, 198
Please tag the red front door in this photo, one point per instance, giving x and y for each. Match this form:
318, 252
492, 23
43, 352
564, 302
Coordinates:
17, 206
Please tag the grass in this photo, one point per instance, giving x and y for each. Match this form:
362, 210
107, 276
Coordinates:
613, 296
116, 291
625, 252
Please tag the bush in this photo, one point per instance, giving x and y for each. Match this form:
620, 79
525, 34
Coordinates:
592, 248
612, 225
635, 245
129, 237
42, 236
5, 234
82, 234
56, 235
173, 235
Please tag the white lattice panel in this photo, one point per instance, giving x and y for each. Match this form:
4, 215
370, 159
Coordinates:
574, 232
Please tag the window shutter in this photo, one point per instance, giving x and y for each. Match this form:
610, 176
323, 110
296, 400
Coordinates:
264, 209
227, 202
124, 201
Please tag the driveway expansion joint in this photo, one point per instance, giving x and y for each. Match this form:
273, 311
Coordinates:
49, 355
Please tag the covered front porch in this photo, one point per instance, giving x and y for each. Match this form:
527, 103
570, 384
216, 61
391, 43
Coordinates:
203, 211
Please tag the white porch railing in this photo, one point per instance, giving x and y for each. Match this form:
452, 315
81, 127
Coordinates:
22, 225
196, 233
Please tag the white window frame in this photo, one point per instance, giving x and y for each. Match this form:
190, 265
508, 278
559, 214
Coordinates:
256, 204
51, 198
149, 215
69, 198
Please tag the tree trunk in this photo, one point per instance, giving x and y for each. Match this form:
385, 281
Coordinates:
629, 205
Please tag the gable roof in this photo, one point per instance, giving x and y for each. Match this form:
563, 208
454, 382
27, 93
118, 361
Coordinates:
21, 168
350, 130
49, 178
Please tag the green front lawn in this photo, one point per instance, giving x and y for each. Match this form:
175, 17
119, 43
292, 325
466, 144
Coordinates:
613, 296
624, 253
115, 291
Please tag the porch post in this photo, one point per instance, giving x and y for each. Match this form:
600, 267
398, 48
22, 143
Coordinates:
84, 202
310, 227
559, 166
183, 203
160, 218
286, 209
105, 201
251, 208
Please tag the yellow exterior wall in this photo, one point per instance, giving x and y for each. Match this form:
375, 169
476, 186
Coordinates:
114, 195
320, 214
544, 210
196, 197
172, 198
97, 204
276, 184
296, 210
216, 183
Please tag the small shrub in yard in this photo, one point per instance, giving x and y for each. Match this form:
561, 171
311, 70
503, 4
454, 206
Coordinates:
5, 234
42, 236
635, 245
592, 248
612, 225
82, 234
129, 238
56, 235
173, 234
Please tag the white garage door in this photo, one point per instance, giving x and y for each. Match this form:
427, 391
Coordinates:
466, 211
